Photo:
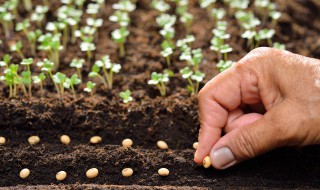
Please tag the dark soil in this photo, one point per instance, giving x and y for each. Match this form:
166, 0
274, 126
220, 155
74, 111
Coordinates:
148, 119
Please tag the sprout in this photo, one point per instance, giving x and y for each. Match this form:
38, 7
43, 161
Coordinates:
207, 3
23, 26
188, 74
247, 20
89, 87
39, 14
126, 96
274, 15
159, 79
26, 75
168, 33
88, 46
166, 21
95, 23
39, 80
160, 5
218, 13
277, 45
13, 79
70, 82
5, 61
32, 38
223, 65
222, 25
265, 34
51, 45
125, 6
122, 18
239, 4
186, 19
78, 64
108, 69
47, 66
6, 19
166, 54
93, 9
119, 36
16, 47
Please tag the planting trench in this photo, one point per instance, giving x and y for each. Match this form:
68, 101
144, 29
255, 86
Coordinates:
148, 119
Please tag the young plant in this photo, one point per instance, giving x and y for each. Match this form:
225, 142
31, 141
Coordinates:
26, 75
39, 14
126, 96
89, 87
23, 26
166, 53
119, 36
187, 18
250, 36
95, 73
16, 47
108, 69
247, 20
265, 34
87, 45
39, 80
166, 20
32, 38
50, 43
71, 82
159, 79
6, 19
160, 5
124, 6
78, 64
277, 45
59, 79
223, 65
274, 15
207, 4
122, 18
218, 13
47, 66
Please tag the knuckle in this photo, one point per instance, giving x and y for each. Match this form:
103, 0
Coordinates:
247, 144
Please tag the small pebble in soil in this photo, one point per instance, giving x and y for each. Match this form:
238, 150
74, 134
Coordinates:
195, 145
206, 162
162, 145
2, 140
34, 140
24, 173
65, 139
163, 172
92, 173
95, 139
60, 176
127, 143
127, 172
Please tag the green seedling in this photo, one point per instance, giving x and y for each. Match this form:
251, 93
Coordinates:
122, 18
6, 19
166, 53
39, 80
250, 36
39, 14
160, 5
124, 5
32, 38
89, 87
168, 34
26, 75
224, 65
274, 15
119, 36
16, 47
166, 20
59, 79
78, 64
264, 34
47, 66
108, 69
13, 80
88, 46
95, 70
50, 43
187, 19
159, 79
247, 20
126, 96
23, 26
238, 5
218, 13
94, 23
5, 61
71, 82
93, 9
277, 45
207, 4
217, 44
189, 75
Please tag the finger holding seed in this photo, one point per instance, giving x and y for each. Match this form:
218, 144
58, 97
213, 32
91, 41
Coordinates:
65, 139
24, 173
162, 145
2, 140
60, 176
92, 173
127, 143
33, 140
127, 172
206, 162
95, 140
163, 172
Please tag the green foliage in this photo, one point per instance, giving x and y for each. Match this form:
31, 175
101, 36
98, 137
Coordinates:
126, 96
159, 79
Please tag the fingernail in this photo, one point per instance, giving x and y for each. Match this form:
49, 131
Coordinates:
222, 158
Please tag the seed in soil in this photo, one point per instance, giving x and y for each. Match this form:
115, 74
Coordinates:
206, 162
60, 176
127, 172
95, 139
92, 173
163, 172
65, 139
34, 140
127, 143
162, 145
24, 173
195, 145
2, 140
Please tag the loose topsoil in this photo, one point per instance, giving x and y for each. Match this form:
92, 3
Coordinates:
148, 119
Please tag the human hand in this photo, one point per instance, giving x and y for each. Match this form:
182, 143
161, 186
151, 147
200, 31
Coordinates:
286, 85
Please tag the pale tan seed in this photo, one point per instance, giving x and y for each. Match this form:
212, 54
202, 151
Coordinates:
65, 139
2, 140
163, 172
95, 139
127, 172
60, 176
195, 145
24, 173
92, 173
34, 140
206, 162
162, 145
127, 143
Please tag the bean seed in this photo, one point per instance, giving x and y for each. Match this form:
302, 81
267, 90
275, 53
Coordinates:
24, 173
127, 143
163, 172
2, 140
92, 173
34, 140
95, 139
127, 172
65, 139
195, 145
162, 145
60, 176
206, 162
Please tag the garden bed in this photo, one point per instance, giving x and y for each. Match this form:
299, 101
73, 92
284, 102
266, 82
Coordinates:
148, 118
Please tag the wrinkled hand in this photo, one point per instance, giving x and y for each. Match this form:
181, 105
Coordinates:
285, 85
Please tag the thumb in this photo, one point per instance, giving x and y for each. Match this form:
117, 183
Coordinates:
248, 141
